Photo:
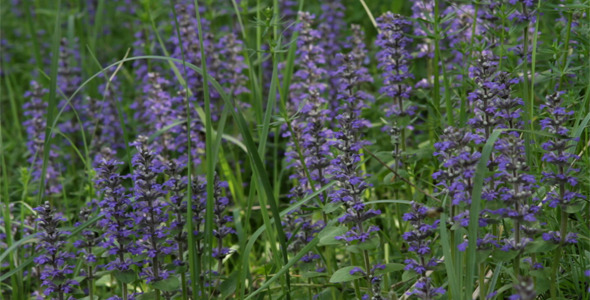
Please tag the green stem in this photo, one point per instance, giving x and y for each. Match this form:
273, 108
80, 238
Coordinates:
436, 90
567, 45
357, 289
528, 99
482, 282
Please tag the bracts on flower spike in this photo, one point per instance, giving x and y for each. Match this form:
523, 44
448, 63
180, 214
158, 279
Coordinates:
393, 58
419, 241
151, 212
55, 260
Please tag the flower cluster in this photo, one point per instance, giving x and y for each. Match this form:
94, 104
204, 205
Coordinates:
221, 220
35, 111
117, 222
55, 261
351, 75
68, 80
103, 119
307, 88
393, 58
419, 241
557, 155
151, 212
309, 139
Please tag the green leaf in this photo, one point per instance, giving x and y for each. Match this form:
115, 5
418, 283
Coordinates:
540, 246
392, 267
500, 255
542, 282
125, 276
331, 207
147, 296
483, 255
169, 284
409, 275
371, 244
343, 275
228, 286
574, 208
328, 237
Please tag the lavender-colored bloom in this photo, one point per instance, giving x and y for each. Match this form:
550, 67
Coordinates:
103, 119
351, 184
458, 158
555, 237
393, 59
310, 129
419, 242
68, 80
35, 123
423, 10
89, 239
176, 186
232, 65
117, 221
525, 12
157, 112
423, 289
557, 155
221, 220
181, 133
55, 261
189, 47
517, 191
331, 25
307, 84
459, 30
482, 98
288, 9
300, 230
151, 212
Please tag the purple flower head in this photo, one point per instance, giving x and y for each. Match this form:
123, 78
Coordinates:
423, 289
423, 11
393, 60
35, 124
331, 25
525, 12
232, 65
309, 133
558, 157
221, 220
419, 241
117, 222
459, 158
55, 262
151, 211
103, 119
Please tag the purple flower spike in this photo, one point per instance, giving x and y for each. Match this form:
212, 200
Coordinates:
56, 262
393, 59
559, 160
119, 232
419, 241
151, 212
35, 123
